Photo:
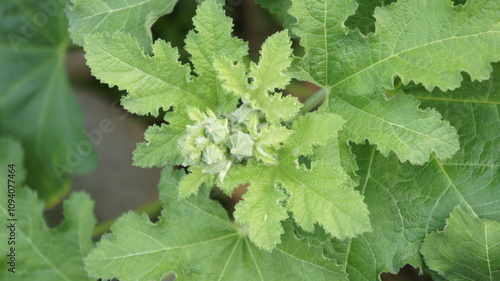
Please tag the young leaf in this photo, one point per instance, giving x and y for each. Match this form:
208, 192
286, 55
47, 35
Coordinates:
161, 146
134, 17
407, 202
315, 195
37, 105
162, 81
428, 42
209, 247
396, 125
467, 249
269, 74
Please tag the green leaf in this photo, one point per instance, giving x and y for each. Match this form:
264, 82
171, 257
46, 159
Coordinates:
161, 146
467, 249
37, 105
191, 182
11, 152
49, 254
429, 42
161, 81
266, 76
315, 195
208, 247
397, 125
407, 203
40, 253
262, 208
363, 18
275, 59
212, 38
134, 17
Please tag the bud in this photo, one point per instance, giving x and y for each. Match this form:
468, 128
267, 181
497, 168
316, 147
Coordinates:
216, 130
240, 145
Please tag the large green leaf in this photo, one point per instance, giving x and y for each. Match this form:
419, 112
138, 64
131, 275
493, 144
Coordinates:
37, 105
134, 17
429, 42
467, 249
195, 240
40, 253
407, 202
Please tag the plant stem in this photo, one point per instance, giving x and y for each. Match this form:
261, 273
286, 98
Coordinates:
152, 209
314, 101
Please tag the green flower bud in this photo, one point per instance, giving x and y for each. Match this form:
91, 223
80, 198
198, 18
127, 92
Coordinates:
201, 142
242, 114
240, 145
212, 154
216, 130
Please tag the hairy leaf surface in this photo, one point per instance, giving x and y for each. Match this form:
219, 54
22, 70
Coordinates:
467, 249
209, 247
316, 195
427, 42
134, 17
407, 202
413, 40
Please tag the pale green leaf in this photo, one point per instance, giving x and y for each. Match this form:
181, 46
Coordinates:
312, 130
190, 183
37, 104
212, 39
429, 42
275, 59
316, 195
277, 107
397, 125
161, 145
407, 203
233, 76
266, 76
134, 17
207, 247
153, 82
467, 249
262, 208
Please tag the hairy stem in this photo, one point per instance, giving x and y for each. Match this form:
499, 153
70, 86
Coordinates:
314, 101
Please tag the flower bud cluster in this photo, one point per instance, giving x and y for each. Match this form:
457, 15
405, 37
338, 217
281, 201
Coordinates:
214, 143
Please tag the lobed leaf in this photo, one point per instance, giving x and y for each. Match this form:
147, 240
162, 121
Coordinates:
429, 42
407, 203
397, 125
41, 253
315, 195
134, 17
467, 249
210, 247
37, 104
